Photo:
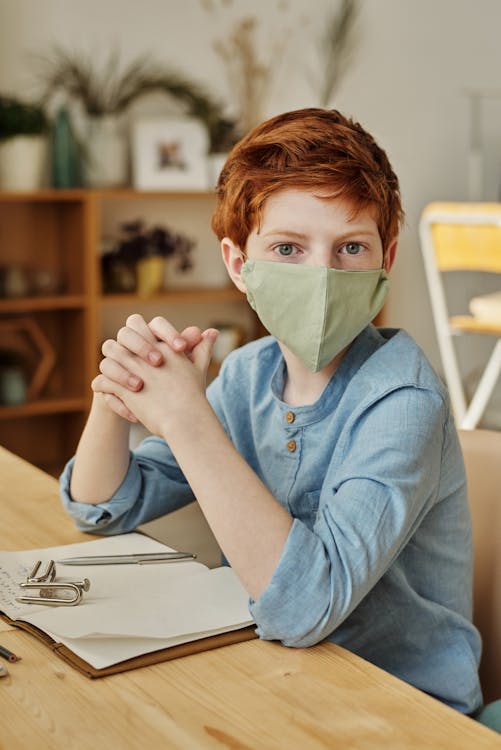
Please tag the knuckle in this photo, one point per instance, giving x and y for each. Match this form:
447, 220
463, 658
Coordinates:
145, 349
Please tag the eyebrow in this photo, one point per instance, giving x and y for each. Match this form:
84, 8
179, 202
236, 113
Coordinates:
285, 233
355, 231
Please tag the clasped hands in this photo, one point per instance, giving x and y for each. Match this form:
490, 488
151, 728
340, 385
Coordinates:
152, 373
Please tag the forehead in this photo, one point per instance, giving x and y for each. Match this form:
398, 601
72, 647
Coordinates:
293, 208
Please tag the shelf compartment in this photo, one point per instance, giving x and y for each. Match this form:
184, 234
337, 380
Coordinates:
46, 236
46, 440
66, 333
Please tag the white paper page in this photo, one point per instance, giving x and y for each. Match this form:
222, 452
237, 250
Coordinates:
15, 566
103, 652
167, 606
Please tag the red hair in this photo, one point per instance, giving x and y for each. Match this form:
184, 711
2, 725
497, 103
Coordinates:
314, 149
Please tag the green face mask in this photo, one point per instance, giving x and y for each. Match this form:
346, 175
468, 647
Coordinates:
314, 311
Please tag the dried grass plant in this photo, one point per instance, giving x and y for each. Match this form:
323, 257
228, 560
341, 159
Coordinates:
111, 88
249, 75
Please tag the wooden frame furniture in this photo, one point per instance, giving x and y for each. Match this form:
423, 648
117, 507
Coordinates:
60, 232
462, 237
249, 695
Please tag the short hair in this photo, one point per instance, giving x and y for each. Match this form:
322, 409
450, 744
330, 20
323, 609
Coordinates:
313, 149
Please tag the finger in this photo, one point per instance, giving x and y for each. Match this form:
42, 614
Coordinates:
123, 356
102, 385
193, 336
119, 407
114, 371
201, 355
138, 324
165, 331
137, 344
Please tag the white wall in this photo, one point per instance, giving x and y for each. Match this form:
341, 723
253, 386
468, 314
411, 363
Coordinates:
406, 84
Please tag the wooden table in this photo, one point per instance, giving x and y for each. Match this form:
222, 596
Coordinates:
251, 695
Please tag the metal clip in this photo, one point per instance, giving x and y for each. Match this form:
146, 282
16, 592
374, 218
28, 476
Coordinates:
48, 588
47, 576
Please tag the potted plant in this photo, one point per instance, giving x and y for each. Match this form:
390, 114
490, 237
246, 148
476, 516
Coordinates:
23, 144
105, 96
137, 260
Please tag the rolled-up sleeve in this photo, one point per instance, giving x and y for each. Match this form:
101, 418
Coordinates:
153, 486
383, 480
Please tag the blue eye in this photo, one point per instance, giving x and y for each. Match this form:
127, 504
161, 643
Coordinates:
285, 250
352, 248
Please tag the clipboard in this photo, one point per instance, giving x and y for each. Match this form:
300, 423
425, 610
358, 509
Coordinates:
152, 603
144, 660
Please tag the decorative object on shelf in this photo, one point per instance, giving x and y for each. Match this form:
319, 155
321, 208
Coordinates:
169, 154
23, 144
336, 48
106, 159
24, 337
14, 281
251, 65
45, 282
250, 73
249, 78
136, 261
150, 275
105, 96
65, 152
13, 384
17, 281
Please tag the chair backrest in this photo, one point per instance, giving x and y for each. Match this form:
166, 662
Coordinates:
482, 455
459, 237
464, 236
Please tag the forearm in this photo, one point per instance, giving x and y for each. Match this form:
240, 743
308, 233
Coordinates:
102, 456
248, 522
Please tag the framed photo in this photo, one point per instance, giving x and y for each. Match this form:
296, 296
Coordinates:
169, 154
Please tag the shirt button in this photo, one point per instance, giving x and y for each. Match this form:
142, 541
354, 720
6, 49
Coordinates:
290, 417
291, 446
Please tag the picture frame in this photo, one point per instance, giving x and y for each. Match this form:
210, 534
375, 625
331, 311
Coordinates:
169, 154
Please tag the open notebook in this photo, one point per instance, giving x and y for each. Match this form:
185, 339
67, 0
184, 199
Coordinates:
133, 615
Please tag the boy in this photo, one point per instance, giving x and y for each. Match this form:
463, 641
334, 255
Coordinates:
324, 456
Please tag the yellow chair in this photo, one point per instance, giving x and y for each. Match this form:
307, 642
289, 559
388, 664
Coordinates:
482, 456
462, 237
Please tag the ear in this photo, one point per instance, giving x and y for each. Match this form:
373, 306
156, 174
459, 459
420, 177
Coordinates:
389, 256
233, 260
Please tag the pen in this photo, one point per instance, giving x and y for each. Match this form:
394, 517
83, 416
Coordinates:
141, 558
8, 654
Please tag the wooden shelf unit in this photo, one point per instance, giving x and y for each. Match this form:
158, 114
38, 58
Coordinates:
60, 231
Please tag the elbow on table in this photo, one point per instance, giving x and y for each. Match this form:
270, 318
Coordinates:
297, 632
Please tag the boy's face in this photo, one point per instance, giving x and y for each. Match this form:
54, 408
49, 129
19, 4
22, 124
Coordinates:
298, 227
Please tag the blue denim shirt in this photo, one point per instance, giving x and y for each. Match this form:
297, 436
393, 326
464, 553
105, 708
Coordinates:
379, 556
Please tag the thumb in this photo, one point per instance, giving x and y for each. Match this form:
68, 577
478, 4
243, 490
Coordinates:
202, 353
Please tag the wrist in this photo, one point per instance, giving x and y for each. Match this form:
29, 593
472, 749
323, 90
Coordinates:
101, 407
187, 418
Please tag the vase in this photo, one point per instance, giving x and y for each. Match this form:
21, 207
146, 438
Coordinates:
13, 387
105, 164
23, 162
150, 275
64, 152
